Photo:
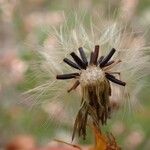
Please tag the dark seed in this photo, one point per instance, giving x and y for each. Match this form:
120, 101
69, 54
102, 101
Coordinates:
95, 55
67, 76
107, 58
113, 79
72, 64
83, 56
78, 60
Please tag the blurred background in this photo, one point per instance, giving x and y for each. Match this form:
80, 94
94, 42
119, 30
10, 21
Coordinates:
24, 20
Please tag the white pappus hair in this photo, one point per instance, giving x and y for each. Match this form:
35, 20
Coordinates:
130, 49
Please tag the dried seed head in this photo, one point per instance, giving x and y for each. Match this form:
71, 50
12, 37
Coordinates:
131, 50
94, 81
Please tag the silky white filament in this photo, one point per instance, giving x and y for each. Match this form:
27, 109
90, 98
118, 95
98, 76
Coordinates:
64, 40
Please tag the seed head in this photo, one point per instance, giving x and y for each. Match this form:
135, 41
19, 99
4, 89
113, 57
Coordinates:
94, 79
101, 77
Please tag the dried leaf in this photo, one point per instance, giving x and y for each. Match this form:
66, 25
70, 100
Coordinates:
103, 142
